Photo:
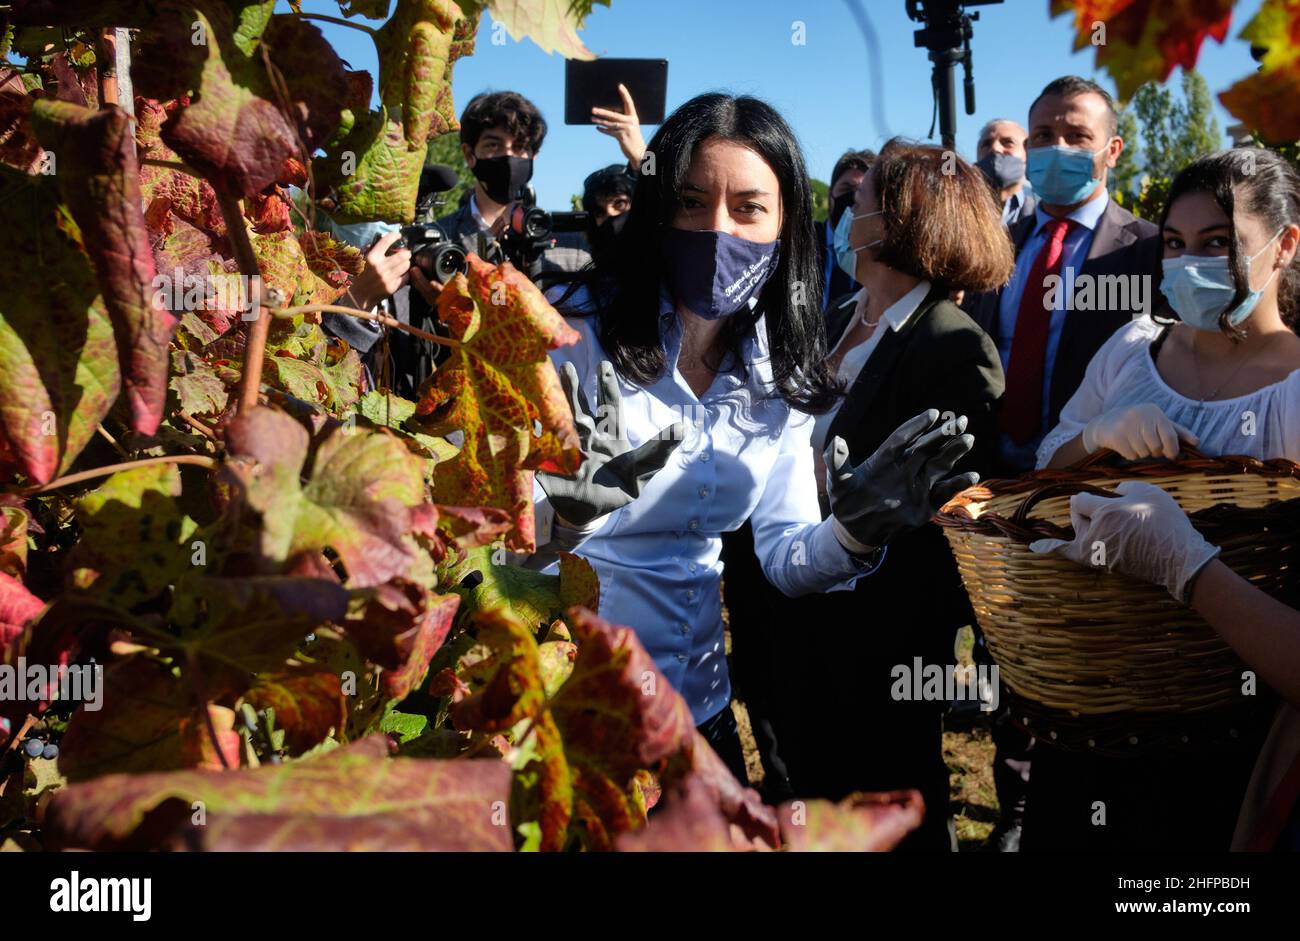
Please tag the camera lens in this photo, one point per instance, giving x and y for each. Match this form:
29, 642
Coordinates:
537, 224
448, 261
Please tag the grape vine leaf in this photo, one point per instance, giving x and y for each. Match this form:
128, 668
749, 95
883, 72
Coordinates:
232, 129
99, 179
357, 502
552, 24
1145, 39
60, 373
151, 723
135, 540
309, 705
14, 522
873, 823
19, 149
417, 48
500, 389
1269, 100
351, 798
400, 626
17, 608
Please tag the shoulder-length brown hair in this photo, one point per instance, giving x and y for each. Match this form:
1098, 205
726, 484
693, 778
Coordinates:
942, 222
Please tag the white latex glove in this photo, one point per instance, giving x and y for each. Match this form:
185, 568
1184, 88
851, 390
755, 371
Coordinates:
1143, 533
1136, 431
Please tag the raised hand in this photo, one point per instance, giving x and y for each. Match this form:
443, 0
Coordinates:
612, 472
624, 126
901, 485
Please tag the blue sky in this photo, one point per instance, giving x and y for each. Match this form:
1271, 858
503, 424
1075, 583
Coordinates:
822, 87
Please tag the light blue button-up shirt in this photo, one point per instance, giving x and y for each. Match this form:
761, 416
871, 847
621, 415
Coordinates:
1073, 254
745, 456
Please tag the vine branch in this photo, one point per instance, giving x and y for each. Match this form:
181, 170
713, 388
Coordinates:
324, 18
367, 315
250, 379
199, 459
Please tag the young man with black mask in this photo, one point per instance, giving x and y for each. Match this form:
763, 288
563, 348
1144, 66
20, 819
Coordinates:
500, 135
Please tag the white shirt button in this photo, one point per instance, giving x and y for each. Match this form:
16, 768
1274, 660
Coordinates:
705, 457
681, 658
704, 493
694, 524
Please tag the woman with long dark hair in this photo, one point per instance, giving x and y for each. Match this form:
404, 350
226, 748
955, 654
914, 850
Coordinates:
703, 351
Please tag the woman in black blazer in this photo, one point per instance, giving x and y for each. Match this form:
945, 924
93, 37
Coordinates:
924, 227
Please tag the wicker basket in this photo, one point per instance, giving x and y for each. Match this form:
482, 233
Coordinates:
1100, 652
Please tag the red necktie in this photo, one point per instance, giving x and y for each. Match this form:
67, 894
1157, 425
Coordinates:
1022, 408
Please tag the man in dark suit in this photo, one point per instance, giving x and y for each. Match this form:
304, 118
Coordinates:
1045, 340
1075, 236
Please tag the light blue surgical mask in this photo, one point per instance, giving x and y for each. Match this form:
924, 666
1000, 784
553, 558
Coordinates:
1199, 288
845, 255
1062, 176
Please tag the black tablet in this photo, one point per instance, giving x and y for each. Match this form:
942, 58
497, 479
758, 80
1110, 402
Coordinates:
594, 84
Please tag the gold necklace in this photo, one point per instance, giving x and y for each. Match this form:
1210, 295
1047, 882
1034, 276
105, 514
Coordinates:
1196, 363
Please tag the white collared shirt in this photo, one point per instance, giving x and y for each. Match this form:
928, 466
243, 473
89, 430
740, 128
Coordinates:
897, 315
745, 456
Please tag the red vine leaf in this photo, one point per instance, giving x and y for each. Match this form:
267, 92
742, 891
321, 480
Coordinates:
60, 374
309, 705
347, 799
399, 627
357, 501
17, 608
873, 823
151, 723
1145, 39
1269, 100
498, 388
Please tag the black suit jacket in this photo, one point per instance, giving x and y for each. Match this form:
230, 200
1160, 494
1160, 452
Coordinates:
1122, 244
940, 359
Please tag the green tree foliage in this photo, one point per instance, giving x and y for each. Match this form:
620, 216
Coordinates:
821, 200
446, 150
1163, 133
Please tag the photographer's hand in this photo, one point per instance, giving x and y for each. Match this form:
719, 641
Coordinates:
426, 287
612, 472
383, 273
624, 126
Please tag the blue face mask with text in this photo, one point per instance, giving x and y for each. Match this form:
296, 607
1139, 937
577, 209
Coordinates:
714, 274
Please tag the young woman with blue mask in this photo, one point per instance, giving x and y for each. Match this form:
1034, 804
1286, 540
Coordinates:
702, 354
1221, 371
1225, 374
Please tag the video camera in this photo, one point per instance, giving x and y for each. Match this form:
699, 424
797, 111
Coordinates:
432, 251
529, 231
946, 32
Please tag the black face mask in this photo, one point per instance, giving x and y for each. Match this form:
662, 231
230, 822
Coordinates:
838, 205
503, 177
604, 236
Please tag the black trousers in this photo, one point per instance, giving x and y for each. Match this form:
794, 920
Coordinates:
723, 735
